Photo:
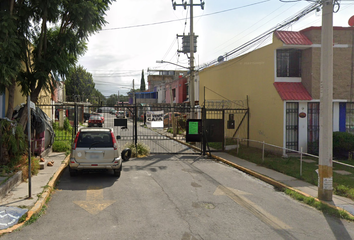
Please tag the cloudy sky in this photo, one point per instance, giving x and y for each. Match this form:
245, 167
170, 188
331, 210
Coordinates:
139, 32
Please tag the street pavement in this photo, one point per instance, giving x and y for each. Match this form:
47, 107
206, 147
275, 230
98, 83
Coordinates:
44, 182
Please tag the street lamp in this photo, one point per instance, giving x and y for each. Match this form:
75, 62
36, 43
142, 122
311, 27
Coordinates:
162, 61
191, 84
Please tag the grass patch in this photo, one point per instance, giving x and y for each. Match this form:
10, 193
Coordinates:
36, 216
319, 205
343, 185
218, 145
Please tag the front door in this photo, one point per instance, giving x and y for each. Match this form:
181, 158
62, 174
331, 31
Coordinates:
292, 125
313, 127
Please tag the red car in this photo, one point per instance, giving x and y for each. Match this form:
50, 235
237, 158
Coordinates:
98, 114
95, 121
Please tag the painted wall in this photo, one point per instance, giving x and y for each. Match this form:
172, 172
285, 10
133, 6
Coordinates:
250, 75
18, 98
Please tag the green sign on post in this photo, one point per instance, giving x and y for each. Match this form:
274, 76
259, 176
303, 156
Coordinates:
193, 127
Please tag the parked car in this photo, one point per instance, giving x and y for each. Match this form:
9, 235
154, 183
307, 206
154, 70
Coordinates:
113, 111
120, 114
104, 109
99, 114
95, 149
95, 121
86, 116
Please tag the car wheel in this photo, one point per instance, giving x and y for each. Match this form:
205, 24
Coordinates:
73, 172
117, 172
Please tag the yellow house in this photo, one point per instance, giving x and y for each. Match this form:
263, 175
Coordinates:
281, 82
45, 98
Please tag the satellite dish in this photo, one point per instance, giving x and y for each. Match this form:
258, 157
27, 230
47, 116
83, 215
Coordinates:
351, 21
220, 58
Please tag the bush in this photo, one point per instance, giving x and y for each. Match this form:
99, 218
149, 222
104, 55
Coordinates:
55, 125
141, 149
67, 126
13, 143
343, 143
61, 146
34, 166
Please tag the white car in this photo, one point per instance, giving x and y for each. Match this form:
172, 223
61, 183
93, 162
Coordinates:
120, 114
95, 149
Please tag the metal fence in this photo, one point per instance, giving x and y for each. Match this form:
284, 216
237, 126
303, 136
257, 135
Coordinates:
270, 149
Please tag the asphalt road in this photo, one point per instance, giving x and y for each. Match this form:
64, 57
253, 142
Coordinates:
177, 197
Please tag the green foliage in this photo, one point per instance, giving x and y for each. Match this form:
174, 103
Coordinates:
41, 40
55, 125
79, 83
319, 205
67, 125
34, 166
12, 141
61, 146
343, 143
141, 150
182, 123
113, 99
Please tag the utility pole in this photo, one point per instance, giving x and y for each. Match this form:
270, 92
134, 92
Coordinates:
325, 170
191, 59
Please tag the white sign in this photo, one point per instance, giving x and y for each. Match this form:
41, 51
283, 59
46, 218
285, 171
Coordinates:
154, 116
327, 183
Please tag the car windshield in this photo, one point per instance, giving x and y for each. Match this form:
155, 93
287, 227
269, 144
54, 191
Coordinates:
94, 139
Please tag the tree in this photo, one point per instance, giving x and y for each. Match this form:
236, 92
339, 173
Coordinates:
142, 82
113, 99
79, 84
12, 46
56, 37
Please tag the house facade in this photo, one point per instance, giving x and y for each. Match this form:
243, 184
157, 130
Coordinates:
282, 84
160, 82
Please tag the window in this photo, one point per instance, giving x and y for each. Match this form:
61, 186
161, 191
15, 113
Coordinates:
349, 123
288, 63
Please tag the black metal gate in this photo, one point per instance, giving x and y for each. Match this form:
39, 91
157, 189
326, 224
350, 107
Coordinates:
221, 128
160, 127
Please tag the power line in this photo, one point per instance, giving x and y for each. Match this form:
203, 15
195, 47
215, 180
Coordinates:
291, 20
183, 19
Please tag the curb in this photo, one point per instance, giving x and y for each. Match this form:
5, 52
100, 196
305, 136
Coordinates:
10, 183
42, 199
266, 179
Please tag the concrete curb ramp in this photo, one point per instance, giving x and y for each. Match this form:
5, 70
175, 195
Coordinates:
42, 199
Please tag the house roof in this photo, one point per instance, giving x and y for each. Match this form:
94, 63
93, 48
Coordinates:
292, 91
293, 38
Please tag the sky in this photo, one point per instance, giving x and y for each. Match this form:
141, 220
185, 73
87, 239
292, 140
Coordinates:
140, 32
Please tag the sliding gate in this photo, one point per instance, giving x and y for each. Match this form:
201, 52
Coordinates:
160, 128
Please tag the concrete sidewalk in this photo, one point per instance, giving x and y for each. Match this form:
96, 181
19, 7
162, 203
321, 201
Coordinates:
281, 180
41, 185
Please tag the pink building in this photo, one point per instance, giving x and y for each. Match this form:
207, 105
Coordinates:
179, 90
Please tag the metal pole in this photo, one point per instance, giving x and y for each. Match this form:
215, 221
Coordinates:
191, 82
301, 161
29, 145
172, 113
325, 184
134, 113
263, 151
